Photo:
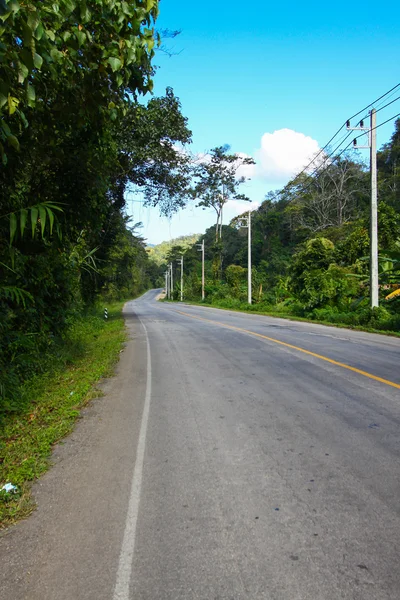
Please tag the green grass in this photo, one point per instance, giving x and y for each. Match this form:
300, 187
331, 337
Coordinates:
90, 350
291, 317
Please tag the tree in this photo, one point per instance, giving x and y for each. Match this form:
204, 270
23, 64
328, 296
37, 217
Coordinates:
329, 199
99, 49
217, 181
152, 139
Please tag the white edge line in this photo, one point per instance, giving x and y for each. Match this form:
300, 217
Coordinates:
124, 573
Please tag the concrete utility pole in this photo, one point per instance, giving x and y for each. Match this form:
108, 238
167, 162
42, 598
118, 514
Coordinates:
373, 243
249, 290
172, 279
180, 262
166, 283
374, 216
246, 222
200, 248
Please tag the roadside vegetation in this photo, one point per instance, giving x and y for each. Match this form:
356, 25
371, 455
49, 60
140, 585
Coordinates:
75, 138
50, 403
79, 130
310, 247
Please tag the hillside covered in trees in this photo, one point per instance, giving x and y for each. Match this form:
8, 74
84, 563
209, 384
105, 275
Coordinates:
159, 253
310, 247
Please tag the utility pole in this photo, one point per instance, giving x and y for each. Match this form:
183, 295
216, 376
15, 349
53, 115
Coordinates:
166, 283
246, 222
172, 280
180, 262
249, 290
373, 243
200, 248
374, 216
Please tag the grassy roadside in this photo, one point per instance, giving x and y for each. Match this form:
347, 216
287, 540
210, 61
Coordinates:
89, 352
290, 317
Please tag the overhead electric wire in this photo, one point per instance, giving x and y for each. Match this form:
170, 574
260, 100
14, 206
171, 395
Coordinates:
348, 145
341, 127
372, 103
388, 104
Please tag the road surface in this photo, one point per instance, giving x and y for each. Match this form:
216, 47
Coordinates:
233, 457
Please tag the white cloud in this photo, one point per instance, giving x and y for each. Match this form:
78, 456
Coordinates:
247, 171
284, 153
239, 206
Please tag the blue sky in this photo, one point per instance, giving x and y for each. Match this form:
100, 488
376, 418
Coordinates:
246, 69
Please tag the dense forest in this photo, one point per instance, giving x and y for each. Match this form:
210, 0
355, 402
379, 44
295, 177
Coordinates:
310, 247
76, 133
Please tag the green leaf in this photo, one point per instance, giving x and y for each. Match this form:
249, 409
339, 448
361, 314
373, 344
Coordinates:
56, 55
31, 94
51, 218
37, 60
43, 215
66, 35
22, 220
130, 56
34, 218
5, 128
53, 206
12, 140
23, 119
81, 37
33, 19
115, 63
13, 227
51, 35
39, 32
12, 105
3, 100
23, 72
85, 13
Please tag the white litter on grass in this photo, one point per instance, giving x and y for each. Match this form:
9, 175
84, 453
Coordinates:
9, 487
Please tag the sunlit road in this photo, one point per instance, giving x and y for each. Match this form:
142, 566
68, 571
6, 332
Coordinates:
232, 457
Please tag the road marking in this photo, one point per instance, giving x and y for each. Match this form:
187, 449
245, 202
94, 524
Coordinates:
298, 348
124, 573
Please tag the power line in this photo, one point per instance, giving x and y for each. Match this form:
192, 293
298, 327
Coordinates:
346, 147
388, 104
377, 126
341, 127
372, 103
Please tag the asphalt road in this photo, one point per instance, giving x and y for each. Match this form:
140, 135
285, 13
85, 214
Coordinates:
232, 457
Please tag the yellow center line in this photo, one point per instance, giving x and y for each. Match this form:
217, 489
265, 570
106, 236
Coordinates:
270, 339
